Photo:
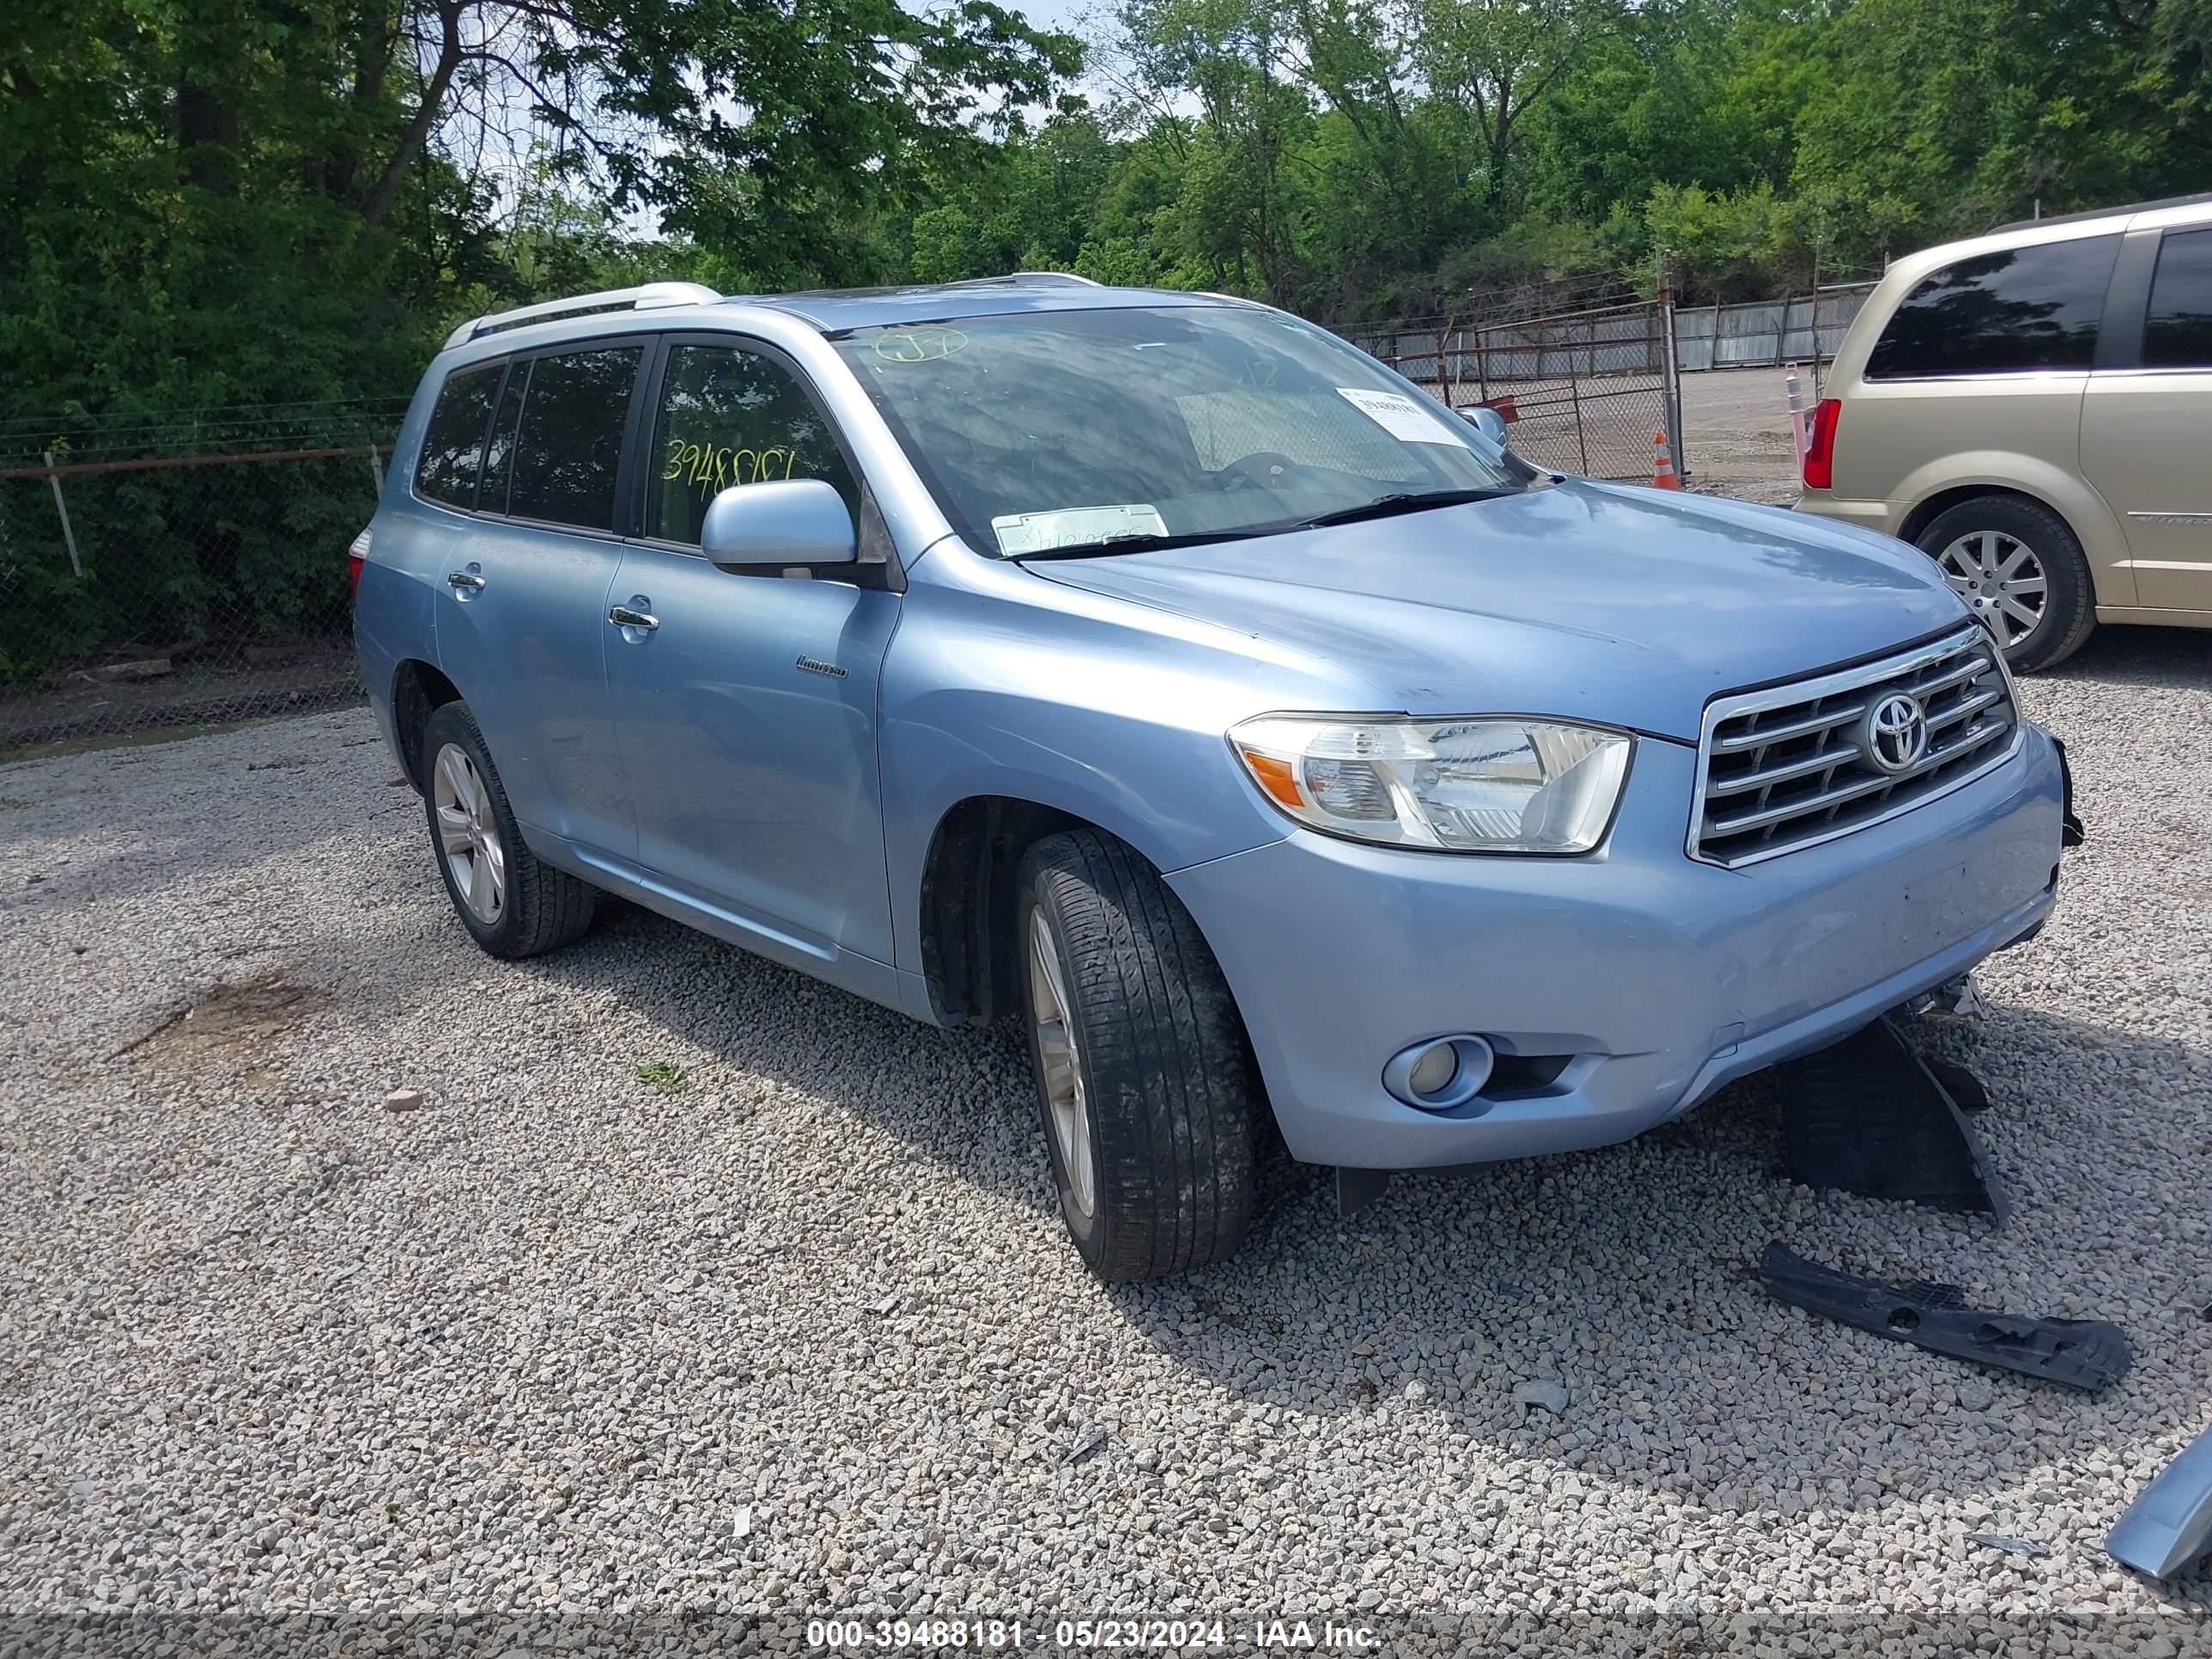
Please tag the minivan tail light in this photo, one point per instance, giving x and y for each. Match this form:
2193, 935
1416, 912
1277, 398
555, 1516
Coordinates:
357, 556
1820, 453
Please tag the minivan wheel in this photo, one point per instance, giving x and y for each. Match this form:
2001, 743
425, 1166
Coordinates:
1146, 1089
2017, 563
513, 904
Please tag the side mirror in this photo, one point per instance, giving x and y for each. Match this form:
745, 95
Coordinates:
1489, 422
790, 522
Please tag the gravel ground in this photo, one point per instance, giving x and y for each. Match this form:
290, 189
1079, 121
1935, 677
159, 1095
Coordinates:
567, 1357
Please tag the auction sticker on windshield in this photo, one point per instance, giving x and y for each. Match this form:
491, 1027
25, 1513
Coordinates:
1400, 417
1066, 526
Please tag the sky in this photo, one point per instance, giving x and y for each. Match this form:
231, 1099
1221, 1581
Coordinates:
1053, 14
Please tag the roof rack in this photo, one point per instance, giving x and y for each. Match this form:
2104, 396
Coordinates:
2104, 213
1042, 278
646, 296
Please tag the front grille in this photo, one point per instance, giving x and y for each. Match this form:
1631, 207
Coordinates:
1783, 769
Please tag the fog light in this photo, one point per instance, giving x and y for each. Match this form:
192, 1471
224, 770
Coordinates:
1439, 1074
1434, 1071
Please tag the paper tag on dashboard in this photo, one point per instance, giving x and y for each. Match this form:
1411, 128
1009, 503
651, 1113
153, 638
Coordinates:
1400, 417
1068, 526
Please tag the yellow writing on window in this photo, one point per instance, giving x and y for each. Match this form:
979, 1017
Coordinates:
711, 469
919, 345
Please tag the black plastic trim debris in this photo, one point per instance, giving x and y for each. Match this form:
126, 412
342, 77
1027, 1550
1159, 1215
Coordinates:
2082, 1353
1867, 1115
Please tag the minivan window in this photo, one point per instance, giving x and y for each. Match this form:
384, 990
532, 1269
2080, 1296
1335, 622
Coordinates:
568, 446
2022, 308
731, 418
452, 446
2178, 332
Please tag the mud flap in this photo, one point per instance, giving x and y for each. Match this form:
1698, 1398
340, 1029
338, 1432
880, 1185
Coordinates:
2082, 1353
1867, 1115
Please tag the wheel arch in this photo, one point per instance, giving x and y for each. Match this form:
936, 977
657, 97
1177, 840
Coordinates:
2104, 545
968, 954
1926, 513
419, 689
968, 901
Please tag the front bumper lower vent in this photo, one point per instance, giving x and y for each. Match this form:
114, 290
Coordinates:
1793, 765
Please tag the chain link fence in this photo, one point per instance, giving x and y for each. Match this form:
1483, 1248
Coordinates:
180, 570
1584, 378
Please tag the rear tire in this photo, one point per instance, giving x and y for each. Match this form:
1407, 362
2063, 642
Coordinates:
514, 904
1155, 1161
1978, 537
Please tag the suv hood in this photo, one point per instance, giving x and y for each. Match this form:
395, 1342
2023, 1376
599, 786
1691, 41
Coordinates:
1624, 606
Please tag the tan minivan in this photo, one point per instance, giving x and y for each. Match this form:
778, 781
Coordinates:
2034, 410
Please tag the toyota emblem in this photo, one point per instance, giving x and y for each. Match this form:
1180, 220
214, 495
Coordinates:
1895, 735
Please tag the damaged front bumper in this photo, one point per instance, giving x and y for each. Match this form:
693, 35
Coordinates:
1618, 989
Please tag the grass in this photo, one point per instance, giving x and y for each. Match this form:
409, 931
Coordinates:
664, 1079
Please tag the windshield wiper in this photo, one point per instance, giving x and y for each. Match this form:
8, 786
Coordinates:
1384, 506
1141, 541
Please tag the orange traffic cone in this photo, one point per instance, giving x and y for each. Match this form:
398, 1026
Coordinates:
1663, 466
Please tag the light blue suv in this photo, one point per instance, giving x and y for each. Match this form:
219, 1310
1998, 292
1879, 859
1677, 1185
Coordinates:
1158, 666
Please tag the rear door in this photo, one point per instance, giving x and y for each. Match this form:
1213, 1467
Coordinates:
2146, 422
522, 623
747, 712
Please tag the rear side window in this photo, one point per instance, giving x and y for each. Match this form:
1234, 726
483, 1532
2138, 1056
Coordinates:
733, 417
568, 448
2024, 308
453, 447
499, 454
2178, 332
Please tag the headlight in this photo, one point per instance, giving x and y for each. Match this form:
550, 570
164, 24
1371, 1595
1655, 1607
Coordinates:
1478, 784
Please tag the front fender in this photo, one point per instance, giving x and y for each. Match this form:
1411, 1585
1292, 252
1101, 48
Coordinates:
1001, 682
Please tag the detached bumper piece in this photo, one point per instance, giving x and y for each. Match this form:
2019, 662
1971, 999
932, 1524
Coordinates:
1867, 1115
2082, 1353
2070, 833
2170, 1525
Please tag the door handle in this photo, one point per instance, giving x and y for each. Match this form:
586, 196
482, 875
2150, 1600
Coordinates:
464, 579
622, 617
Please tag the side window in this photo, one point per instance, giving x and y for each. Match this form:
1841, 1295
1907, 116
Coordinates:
452, 445
2178, 331
499, 454
2024, 308
728, 417
567, 446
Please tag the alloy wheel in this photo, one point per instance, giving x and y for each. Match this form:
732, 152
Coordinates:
468, 835
2000, 576
1067, 1109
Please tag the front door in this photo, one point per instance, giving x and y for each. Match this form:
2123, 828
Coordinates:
522, 616
746, 712
2144, 433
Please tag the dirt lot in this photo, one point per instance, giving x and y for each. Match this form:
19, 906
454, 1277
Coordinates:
1737, 425
697, 1298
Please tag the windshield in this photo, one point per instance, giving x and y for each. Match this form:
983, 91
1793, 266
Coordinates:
1114, 429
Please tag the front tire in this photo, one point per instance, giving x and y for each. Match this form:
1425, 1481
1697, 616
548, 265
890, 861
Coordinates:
514, 904
1145, 1085
2023, 570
